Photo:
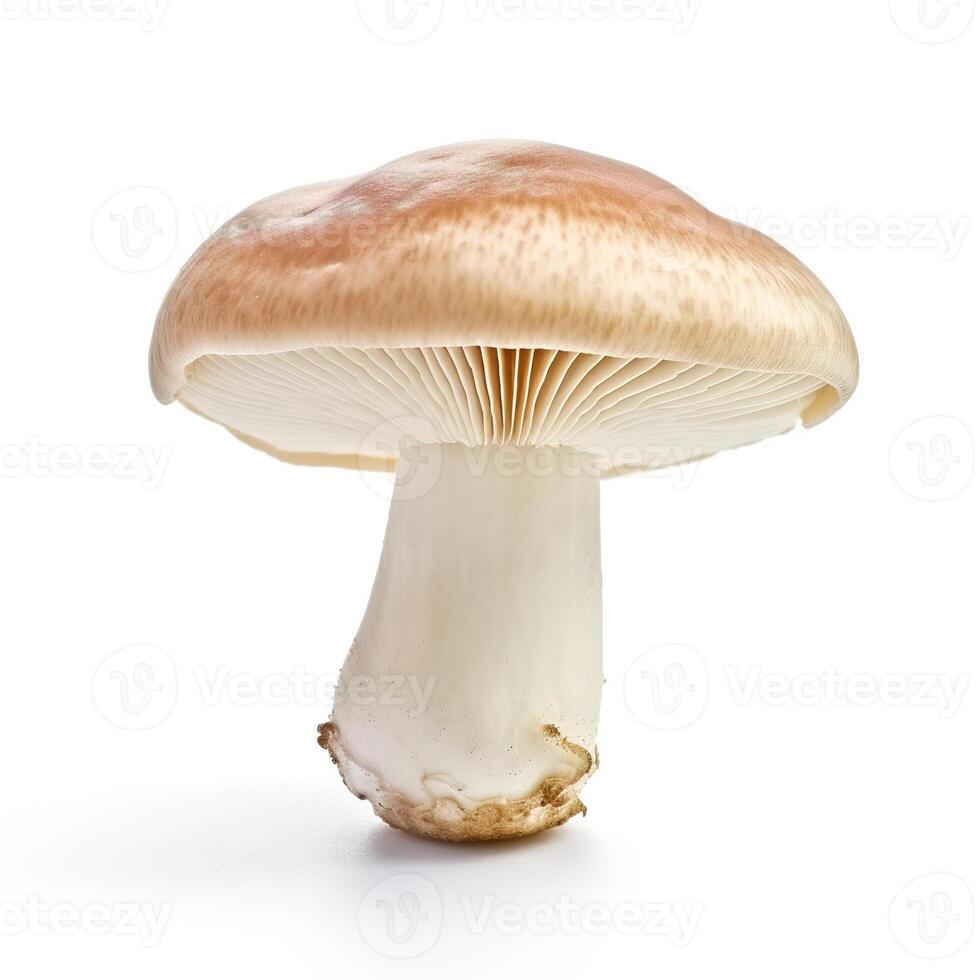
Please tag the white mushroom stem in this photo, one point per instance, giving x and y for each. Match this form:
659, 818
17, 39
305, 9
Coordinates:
468, 705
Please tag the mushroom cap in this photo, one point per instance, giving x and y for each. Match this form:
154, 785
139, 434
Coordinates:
499, 292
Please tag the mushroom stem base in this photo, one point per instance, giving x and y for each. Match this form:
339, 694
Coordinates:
551, 803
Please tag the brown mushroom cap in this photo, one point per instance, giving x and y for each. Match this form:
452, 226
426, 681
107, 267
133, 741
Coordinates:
499, 292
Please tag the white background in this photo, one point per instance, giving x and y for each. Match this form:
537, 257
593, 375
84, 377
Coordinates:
803, 835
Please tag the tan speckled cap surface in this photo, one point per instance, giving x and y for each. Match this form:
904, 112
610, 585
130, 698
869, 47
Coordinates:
488, 258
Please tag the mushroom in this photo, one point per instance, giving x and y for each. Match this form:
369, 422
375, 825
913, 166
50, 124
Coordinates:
503, 324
